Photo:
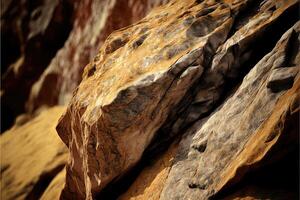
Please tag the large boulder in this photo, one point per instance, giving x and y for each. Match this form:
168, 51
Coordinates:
152, 80
139, 76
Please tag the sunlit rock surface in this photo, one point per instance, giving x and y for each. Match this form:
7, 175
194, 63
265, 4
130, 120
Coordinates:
243, 130
198, 100
164, 73
93, 22
31, 155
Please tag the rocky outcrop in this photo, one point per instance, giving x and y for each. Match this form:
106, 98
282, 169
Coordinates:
31, 156
93, 22
47, 43
244, 129
31, 34
152, 80
198, 100
109, 108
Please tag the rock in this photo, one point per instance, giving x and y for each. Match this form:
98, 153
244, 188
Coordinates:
241, 134
31, 34
150, 182
31, 155
282, 78
110, 108
240, 52
198, 100
153, 79
90, 28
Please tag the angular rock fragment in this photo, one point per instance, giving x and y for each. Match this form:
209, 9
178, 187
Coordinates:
282, 78
128, 97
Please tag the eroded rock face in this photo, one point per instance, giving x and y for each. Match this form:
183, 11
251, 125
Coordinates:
124, 97
93, 22
31, 155
159, 76
219, 150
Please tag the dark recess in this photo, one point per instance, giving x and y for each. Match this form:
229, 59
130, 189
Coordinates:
38, 52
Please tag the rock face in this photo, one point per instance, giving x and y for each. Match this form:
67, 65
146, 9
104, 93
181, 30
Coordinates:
152, 80
47, 44
94, 21
198, 100
31, 155
224, 147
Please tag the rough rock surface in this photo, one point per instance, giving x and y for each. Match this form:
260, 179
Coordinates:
242, 131
93, 22
159, 63
154, 79
31, 33
217, 79
31, 155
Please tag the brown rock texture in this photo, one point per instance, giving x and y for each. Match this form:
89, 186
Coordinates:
198, 100
54, 189
152, 80
93, 22
224, 147
47, 44
31, 155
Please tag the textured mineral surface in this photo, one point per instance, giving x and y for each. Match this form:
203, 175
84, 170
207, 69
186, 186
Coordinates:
198, 100
168, 71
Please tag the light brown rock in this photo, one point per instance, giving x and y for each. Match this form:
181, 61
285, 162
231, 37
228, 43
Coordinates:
31, 155
93, 22
129, 89
219, 151
54, 189
147, 72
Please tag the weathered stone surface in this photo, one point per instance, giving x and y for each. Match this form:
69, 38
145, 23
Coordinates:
241, 133
127, 94
31, 33
31, 155
164, 73
93, 22
282, 78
